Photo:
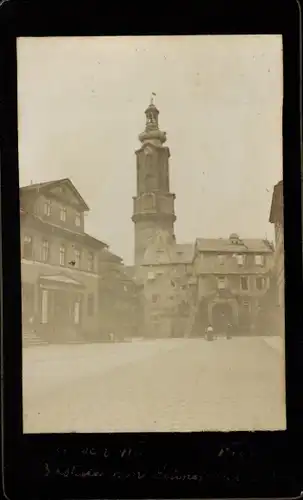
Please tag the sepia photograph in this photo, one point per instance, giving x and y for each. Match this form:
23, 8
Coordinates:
152, 233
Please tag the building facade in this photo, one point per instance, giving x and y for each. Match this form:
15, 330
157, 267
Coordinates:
154, 203
276, 217
59, 263
234, 276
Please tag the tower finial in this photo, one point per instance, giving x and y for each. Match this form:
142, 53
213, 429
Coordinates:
152, 98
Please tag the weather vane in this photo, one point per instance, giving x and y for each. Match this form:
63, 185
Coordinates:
152, 98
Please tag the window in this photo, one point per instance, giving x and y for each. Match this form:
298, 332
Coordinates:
259, 260
240, 260
47, 208
90, 261
90, 304
150, 275
27, 247
77, 258
62, 255
63, 214
45, 251
221, 259
244, 283
78, 219
221, 283
77, 312
260, 283
155, 298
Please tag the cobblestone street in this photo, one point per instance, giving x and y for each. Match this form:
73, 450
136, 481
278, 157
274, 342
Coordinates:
165, 385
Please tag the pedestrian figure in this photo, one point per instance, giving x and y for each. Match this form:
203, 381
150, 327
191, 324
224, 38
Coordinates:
111, 337
209, 332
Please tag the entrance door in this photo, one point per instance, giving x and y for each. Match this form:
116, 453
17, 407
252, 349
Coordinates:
61, 309
222, 315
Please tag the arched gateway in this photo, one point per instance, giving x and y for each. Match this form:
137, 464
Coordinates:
215, 311
222, 315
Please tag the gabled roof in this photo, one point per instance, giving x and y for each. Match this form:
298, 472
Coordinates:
107, 256
59, 182
185, 252
225, 245
164, 250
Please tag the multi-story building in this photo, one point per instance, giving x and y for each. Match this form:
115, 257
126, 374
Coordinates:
59, 262
276, 217
64, 269
234, 275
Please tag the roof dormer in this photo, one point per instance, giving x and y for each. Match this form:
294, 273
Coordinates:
234, 239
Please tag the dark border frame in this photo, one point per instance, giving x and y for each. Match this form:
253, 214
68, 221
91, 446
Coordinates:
196, 465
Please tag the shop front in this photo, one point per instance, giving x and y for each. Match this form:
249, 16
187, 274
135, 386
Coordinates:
60, 309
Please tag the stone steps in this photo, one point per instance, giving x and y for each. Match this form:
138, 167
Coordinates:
32, 339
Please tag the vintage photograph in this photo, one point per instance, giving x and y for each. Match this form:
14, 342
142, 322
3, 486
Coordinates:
151, 223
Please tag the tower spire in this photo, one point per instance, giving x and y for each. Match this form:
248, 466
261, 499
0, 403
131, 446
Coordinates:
152, 99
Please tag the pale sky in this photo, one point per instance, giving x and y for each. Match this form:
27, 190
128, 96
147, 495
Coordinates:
81, 108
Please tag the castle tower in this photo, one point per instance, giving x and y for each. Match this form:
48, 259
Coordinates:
154, 203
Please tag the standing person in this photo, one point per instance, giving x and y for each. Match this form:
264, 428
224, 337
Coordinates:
209, 332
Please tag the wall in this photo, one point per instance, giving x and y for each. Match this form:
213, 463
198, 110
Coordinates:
166, 290
208, 262
145, 231
36, 206
209, 283
55, 242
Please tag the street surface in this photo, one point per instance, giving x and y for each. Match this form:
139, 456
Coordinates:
163, 385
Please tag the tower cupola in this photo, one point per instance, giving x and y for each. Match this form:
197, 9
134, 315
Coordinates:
152, 133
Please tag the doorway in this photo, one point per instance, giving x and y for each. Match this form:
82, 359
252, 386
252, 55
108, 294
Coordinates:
222, 315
